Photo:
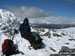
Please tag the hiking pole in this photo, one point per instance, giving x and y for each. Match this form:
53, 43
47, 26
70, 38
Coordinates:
21, 52
13, 36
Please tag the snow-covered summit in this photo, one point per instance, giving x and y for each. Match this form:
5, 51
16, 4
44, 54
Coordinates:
6, 16
8, 20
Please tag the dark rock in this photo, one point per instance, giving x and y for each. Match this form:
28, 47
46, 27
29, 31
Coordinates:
54, 55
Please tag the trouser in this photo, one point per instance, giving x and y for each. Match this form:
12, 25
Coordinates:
29, 37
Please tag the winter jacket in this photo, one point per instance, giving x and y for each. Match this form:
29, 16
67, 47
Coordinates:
25, 29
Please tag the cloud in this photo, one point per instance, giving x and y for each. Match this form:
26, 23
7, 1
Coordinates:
30, 12
54, 20
37, 15
71, 1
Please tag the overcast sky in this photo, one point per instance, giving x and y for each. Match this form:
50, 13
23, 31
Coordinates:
46, 11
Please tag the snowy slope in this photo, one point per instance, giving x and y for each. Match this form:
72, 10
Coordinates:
53, 39
54, 43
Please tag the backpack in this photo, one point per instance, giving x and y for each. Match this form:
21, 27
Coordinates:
8, 46
37, 42
37, 37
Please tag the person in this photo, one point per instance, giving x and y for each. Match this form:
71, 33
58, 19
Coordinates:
26, 31
34, 39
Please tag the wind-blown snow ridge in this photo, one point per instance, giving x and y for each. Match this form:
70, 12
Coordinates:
6, 15
8, 21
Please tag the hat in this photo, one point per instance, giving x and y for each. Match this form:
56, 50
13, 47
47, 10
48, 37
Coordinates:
26, 19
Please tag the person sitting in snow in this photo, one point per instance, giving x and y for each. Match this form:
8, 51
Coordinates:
26, 31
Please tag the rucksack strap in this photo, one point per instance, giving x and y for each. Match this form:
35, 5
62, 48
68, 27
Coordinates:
2, 55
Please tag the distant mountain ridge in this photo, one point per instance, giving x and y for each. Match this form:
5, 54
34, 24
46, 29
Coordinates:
52, 26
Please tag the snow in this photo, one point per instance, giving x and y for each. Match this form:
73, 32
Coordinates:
54, 42
49, 42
